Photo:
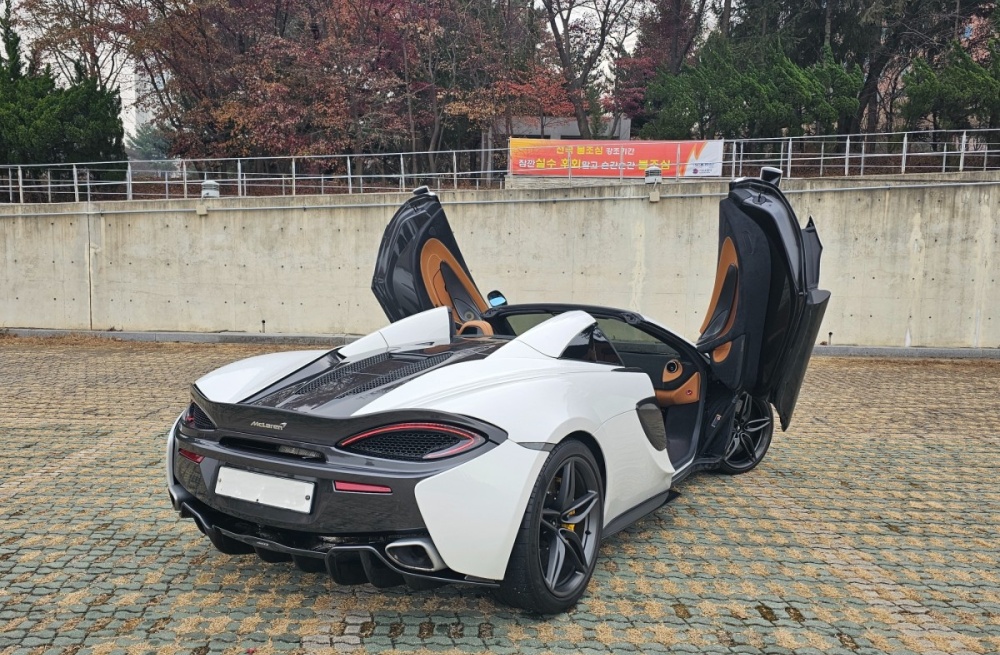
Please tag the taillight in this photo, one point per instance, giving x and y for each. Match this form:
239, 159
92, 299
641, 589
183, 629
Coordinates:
187, 454
412, 441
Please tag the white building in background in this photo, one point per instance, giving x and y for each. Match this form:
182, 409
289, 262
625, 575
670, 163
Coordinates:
561, 127
133, 88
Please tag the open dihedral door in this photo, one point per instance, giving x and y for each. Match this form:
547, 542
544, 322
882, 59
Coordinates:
420, 267
766, 307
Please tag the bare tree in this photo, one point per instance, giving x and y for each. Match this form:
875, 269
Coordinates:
585, 31
78, 33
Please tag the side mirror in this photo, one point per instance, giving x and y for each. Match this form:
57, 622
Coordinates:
771, 175
496, 299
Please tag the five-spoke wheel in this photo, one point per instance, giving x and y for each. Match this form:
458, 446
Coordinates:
556, 547
750, 438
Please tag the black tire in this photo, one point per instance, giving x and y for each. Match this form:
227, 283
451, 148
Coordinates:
556, 546
753, 427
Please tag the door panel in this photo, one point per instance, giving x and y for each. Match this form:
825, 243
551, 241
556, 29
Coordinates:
419, 265
739, 301
448, 283
723, 308
687, 393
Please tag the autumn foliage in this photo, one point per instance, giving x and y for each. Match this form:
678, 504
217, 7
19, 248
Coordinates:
242, 78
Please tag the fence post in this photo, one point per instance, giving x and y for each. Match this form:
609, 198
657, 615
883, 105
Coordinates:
961, 158
847, 156
454, 168
621, 164
293, 176
944, 158
402, 173
677, 162
788, 170
862, 157
76, 185
48, 182
20, 185
350, 182
902, 166
184, 177
128, 181
239, 178
822, 154
742, 147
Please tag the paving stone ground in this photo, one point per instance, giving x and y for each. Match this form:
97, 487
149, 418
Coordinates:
871, 527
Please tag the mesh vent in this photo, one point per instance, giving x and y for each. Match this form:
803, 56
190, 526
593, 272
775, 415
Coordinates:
340, 372
201, 420
398, 374
409, 446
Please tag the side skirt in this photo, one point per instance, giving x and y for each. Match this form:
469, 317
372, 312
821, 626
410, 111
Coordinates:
641, 510
703, 464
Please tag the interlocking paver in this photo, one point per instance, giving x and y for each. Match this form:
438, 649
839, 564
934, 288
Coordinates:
869, 528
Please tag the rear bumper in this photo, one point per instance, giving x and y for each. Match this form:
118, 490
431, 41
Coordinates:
466, 514
347, 560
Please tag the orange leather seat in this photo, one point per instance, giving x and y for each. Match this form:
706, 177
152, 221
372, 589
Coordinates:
476, 328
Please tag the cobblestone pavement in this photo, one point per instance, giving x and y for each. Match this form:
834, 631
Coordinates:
871, 527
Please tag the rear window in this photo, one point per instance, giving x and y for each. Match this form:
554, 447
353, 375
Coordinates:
521, 323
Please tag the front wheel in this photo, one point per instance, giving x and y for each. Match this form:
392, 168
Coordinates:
750, 438
556, 547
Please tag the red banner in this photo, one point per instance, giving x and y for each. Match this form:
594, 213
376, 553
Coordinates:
555, 158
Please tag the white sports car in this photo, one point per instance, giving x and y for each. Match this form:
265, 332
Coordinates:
471, 441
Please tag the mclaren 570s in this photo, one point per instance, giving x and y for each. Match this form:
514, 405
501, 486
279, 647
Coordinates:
478, 442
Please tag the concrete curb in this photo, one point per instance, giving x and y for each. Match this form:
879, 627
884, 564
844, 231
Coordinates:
906, 353
340, 339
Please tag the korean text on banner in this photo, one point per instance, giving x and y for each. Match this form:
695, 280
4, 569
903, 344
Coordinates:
557, 158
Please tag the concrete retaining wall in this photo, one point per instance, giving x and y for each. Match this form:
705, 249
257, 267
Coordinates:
907, 266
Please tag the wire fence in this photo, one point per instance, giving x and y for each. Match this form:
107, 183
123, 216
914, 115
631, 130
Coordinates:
827, 156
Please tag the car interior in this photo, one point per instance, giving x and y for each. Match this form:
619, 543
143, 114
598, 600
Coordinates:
676, 377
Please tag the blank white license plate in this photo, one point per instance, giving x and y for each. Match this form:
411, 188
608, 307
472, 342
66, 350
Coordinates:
267, 490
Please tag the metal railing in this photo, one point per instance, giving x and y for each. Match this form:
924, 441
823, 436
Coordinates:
811, 156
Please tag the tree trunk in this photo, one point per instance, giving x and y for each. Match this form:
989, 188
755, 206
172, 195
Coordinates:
869, 91
727, 12
828, 24
582, 120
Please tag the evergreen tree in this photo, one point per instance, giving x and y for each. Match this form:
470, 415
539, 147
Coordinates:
42, 123
960, 93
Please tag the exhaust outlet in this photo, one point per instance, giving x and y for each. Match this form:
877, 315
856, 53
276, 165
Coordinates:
417, 554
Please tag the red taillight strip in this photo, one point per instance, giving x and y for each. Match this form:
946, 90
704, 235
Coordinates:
360, 487
187, 454
399, 427
471, 438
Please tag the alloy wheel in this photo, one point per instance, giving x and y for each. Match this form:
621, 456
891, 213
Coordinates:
568, 527
751, 435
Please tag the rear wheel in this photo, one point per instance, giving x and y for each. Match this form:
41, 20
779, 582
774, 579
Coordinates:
750, 438
556, 548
